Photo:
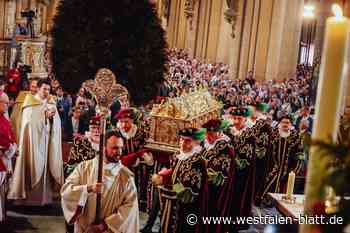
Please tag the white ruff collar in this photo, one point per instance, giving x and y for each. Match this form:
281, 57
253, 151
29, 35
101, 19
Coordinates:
185, 156
261, 116
284, 134
237, 132
95, 146
129, 134
209, 146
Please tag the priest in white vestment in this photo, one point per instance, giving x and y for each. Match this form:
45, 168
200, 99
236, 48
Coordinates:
16, 115
119, 206
39, 166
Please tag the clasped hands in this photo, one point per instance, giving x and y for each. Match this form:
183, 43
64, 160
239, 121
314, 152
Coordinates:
102, 227
99, 228
50, 113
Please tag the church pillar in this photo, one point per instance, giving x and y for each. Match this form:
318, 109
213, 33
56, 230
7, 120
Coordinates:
176, 30
270, 38
18, 9
50, 13
235, 47
323, 10
159, 7
2, 18
214, 35
288, 56
192, 13
44, 19
225, 40
203, 28
209, 29
25, 5
33, 4
279, 27
255, 37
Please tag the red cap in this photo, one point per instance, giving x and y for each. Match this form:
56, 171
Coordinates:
125, 113
96, 120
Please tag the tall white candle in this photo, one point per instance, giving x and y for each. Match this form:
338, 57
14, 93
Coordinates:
290, 184
332, 80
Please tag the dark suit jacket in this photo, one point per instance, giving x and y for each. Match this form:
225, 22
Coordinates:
68, 129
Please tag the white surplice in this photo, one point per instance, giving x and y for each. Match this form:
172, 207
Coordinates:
119, 198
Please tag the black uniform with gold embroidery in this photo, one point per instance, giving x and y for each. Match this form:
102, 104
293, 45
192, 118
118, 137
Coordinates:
251, 162
81, 150
286, 154
183, 195
220, 161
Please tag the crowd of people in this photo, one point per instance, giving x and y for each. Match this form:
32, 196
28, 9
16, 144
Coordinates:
287, 96
221, 169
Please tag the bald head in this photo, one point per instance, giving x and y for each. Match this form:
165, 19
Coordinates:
4, 103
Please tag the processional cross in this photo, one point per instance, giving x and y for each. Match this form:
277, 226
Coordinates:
105, 91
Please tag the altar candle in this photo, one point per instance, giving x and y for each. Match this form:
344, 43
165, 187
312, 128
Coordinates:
332, 77
290, 184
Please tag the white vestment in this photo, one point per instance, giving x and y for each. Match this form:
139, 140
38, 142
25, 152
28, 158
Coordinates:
39, 165
119, 206
16, 115
2, 195
6, 161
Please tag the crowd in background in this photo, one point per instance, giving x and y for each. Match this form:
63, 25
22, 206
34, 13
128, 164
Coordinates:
292, 95
287, 96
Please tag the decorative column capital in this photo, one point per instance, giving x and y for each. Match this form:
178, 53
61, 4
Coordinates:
189, 8
231, 14
166, 8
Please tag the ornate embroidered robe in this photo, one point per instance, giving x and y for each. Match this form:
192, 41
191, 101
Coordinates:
251, 159
221, 165
189, 176
133, 143
81, 150
285, 154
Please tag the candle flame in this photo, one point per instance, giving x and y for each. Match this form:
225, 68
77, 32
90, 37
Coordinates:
337, 11
309, 11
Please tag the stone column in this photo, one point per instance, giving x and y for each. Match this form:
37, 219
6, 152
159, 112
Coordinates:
225, 39
10, 18
25, 4
18, 9
44, 20
192, 29
279, 27
249, 22
236, 50
203, 28
270, 38
263, 38
2, 19
173, 22
215, 21
50, 13
323, 10
290, 40
181, 28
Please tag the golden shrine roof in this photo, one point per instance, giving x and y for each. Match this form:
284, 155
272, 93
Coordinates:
187, 106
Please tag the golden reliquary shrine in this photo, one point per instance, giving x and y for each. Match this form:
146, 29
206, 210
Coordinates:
188, 110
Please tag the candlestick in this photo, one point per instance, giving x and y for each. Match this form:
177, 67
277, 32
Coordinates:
290, 184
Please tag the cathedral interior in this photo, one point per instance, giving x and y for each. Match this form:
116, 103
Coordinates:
267, 42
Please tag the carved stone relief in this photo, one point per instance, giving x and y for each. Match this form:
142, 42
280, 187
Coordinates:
231, 14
